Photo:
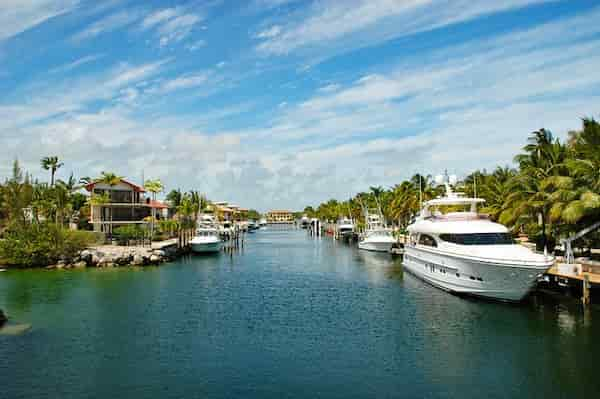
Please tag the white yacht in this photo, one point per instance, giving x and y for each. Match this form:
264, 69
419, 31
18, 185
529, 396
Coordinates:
466, 253
376, 236
262, 223
207, 237
345, 227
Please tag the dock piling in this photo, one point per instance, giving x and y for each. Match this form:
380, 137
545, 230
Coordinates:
585, 299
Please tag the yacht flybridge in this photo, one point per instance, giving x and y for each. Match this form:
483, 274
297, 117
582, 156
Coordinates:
466, 253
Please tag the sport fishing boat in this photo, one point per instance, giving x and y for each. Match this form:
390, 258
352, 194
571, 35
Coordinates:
207, 238
464, 252
376, 237
345, 227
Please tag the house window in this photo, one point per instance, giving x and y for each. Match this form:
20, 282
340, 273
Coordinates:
427, 240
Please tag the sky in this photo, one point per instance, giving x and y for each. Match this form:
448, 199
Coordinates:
287, 103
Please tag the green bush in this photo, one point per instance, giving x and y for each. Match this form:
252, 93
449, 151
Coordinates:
42, 244
124, 234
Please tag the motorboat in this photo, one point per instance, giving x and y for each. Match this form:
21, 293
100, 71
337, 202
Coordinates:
207, 238
345, 227
464, 252
304, 222
376, 236
252, 226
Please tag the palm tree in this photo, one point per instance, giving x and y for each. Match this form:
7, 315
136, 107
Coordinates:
584, 167
155, 187
198, 201
405, 202
542, 165
174, 197
186, 210
52, 164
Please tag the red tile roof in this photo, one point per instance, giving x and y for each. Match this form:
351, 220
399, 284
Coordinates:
135, 187
158, 205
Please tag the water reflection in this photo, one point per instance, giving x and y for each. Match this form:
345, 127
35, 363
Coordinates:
291, 316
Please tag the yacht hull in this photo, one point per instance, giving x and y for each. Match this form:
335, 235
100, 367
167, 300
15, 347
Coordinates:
375, 246
206, 247
461, 275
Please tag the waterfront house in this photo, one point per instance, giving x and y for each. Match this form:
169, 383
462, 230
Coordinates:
227, 212
121, 204
280, 216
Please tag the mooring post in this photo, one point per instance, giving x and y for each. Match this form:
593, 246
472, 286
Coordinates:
585, 299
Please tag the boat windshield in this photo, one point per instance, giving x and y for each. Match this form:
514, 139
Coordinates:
479, 238
385, 233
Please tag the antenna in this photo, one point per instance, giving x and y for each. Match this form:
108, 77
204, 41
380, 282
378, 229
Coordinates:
475, 185
420, 192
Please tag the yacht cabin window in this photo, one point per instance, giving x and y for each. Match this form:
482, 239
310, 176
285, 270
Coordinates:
427, 240
478, 238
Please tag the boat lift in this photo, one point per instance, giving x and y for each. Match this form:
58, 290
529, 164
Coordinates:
567, 242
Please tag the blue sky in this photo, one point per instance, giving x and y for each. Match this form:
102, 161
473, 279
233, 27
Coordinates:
284, 103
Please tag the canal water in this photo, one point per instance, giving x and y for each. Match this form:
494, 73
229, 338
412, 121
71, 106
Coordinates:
288, 317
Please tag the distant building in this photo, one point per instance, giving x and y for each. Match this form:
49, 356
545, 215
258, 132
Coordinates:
280, 216
228, 212
121, 204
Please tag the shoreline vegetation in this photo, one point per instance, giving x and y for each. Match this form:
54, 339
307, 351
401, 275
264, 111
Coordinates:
553, 191
48, 224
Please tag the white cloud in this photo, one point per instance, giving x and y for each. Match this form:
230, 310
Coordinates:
75, 64
159, 17
177, 28
107, 24
126, 74
173, 25
186, 81
356, 23
17, 16
269, 33
198, 44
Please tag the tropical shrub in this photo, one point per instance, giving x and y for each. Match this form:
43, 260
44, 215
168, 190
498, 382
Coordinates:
127, 233
42, 244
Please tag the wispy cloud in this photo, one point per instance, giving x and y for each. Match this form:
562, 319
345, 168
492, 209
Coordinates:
197, 45
189, 81
126, 74
75, 64
269, 33
329, 22
17, 16
160, 16
112, 22
171, 24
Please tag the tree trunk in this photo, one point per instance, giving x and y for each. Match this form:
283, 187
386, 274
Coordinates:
544, 239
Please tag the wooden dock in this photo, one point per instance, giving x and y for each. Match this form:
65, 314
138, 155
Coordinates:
573, 275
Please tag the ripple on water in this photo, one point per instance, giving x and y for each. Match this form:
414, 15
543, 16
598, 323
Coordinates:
291, 316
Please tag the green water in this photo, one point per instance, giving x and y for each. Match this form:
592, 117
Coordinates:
290, 317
